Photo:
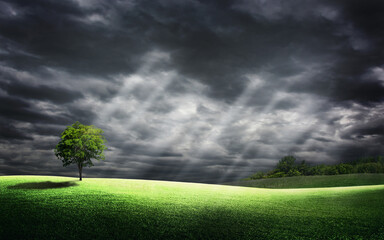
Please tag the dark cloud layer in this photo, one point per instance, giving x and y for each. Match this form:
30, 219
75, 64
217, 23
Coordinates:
204, 91
55, 95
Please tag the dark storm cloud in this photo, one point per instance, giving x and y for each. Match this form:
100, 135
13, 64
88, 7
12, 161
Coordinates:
10, 132
204, 39
373, 128
47, 130
46, 145
56, 95
52, 31
360, 26
350, 152
367, 17
191, 90
13, 108
214, 42
344, 87
147, 150
83, 115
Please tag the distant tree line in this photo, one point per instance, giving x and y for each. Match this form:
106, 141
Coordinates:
288, 167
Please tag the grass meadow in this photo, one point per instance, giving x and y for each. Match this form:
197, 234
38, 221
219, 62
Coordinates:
321, 181
46, 207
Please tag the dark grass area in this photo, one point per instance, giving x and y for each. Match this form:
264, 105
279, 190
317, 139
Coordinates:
314, 181
43, 185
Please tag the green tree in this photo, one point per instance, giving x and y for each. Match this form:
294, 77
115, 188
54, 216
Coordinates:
344, 168
285, 164
293, 172
331, 170
80, 144
303, 168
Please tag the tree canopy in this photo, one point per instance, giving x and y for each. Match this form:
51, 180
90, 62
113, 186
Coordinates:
286, 164
80, 144
287, 167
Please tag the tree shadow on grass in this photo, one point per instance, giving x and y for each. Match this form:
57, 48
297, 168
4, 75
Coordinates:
43, 185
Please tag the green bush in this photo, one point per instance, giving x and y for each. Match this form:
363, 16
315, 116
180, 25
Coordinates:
293, 172
331, 170
317, 170
285, 164
277, 175
372, 167
257, 175
344, 168
304, 168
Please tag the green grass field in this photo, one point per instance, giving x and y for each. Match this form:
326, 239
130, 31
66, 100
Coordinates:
315, 181
44, 207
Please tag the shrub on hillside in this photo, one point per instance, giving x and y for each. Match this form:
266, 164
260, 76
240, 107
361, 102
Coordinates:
293, 172
258, 175
285, 164
317, 170
303, 168
331, 170
277, 175
373, 167
344, 168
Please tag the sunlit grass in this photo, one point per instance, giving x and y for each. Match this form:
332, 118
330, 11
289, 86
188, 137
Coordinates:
43, 207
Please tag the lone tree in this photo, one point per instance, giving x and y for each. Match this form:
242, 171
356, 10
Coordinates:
79, 144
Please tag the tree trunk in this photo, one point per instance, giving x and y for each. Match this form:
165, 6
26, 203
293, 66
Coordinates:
80, 170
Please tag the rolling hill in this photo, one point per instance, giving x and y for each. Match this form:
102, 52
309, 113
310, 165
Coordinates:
46, 207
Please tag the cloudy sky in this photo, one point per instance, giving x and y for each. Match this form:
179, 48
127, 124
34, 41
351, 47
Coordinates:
193, 90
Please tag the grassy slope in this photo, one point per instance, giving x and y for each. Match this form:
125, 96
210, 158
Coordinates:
65, 208
315, 181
